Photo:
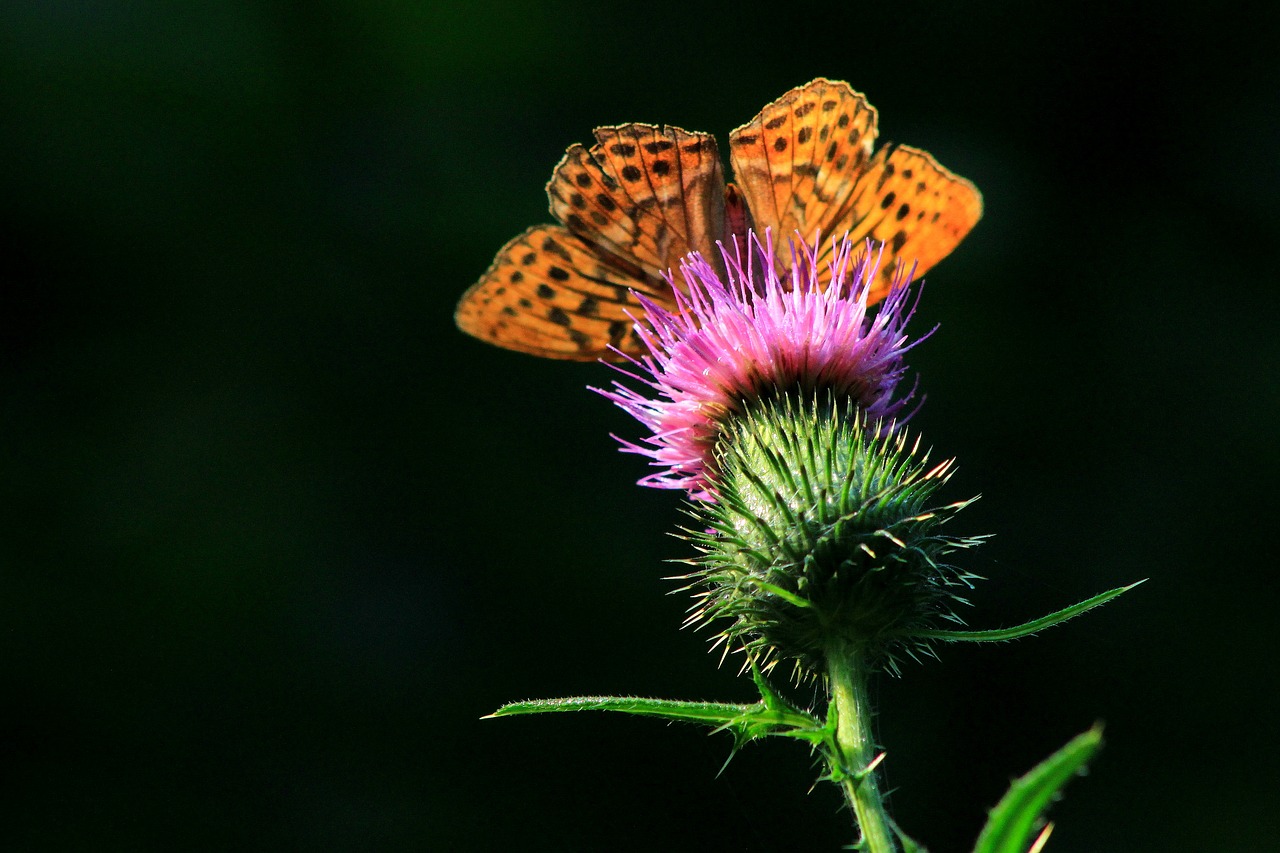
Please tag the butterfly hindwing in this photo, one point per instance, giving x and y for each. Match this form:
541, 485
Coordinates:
644, 194
550, 294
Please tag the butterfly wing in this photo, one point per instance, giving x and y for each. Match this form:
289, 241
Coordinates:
913, 206
550, 294
640, 199
797, 161
644, 194
805, 164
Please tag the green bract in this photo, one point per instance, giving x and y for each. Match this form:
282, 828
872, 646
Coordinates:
823, 533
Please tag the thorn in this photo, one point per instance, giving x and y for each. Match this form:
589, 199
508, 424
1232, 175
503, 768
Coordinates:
894, 539
871, 768
1042, 839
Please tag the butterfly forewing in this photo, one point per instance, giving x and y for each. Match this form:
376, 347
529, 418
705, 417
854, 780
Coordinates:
645, 194
798, 161
550, 294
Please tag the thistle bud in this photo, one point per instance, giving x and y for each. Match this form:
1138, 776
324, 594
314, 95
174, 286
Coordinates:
824, 534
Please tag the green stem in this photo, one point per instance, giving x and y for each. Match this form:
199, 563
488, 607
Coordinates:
855, 747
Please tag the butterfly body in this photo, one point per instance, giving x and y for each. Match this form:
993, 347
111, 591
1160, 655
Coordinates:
644, 196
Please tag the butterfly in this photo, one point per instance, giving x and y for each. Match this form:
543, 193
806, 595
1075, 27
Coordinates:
643, 196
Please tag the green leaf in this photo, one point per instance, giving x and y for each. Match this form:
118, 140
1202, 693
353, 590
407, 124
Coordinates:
999, 634
798, 723
712, 713
909, 845
1013, 821
770, 716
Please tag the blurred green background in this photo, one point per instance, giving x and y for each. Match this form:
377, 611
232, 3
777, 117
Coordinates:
277, 535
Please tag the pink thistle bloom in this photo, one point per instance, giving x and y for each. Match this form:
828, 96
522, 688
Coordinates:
727, 344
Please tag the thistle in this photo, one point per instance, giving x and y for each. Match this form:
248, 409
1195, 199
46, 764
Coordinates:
777, 405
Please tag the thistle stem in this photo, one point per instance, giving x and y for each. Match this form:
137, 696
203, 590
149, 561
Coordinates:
848, 673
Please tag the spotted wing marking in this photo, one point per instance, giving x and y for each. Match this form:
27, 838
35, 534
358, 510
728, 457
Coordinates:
645, 194
550, 294
917, 209
798, 161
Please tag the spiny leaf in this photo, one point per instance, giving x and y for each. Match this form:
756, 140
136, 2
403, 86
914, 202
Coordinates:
999, 634
713, 713
1012, 822
770, 716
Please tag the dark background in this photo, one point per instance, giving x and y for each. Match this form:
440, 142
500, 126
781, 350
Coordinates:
276, 535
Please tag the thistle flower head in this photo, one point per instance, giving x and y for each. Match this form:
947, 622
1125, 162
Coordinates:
759, 333
774, 402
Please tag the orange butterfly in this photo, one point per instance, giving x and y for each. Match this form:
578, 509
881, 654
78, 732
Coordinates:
644, 196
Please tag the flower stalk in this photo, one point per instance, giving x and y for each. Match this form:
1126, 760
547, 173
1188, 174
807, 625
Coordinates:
855, 761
